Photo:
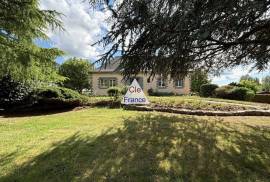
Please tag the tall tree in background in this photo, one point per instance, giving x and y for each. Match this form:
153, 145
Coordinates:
78, 74
172, 37
198, 78
250, 78
250, 82
266, 84
21, 23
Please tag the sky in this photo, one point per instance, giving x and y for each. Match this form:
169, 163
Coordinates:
83, 27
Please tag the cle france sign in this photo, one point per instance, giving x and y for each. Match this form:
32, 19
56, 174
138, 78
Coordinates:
135, 94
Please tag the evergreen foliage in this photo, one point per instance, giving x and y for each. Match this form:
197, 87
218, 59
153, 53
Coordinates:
198, 78
169, 37
12, 93
78, 74
207, 90
21, 23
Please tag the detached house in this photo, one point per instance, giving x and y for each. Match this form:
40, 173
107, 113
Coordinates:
104, 78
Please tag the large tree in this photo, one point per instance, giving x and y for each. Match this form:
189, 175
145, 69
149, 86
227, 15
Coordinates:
172, 37
21, 23
77, 73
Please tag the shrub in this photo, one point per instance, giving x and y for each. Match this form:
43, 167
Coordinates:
57, 92
13, 93
235, 84
250, 95
264, 98
114, 92
223, 91
241, 93
124, 90
57, 98
250, 84
207, 90
151, 92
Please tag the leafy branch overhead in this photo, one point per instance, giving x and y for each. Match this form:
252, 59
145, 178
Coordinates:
172, 37
21, 23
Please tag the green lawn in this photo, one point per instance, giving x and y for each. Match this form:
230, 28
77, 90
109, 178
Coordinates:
117, 145
195, 102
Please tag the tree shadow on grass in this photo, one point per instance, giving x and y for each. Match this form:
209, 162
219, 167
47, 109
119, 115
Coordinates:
156, 148
33, 112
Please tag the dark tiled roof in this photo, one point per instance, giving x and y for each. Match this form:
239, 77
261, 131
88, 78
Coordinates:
111, 67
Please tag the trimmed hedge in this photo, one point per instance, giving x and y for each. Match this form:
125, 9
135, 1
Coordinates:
241, 93
57, 98
207, 90
223, 92
58, 92
114, 91
263, 98
234, 93
151, 92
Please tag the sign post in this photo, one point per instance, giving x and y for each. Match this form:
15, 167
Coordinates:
134, 95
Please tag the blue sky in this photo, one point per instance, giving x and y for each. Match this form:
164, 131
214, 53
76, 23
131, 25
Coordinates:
83, 27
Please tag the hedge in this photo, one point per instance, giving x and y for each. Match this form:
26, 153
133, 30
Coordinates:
234, 93
114, 91
241, 93
223, 92
207, 90
263, 98
58, 98
151, 92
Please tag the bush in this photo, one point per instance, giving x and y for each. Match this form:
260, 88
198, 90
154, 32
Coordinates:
207, 90
124, 90
249, 96
223, 91
13, 93
250, 84
241, 93
235, 84
114, 92
58, 92
264, 98
234, 93
57, 98
151, 92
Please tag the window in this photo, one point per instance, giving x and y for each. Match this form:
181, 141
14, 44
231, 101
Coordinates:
112, 82
179, 83
161, 83
107, 82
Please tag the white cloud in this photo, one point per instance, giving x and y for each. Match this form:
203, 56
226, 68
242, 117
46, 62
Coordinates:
83, 27
233, 75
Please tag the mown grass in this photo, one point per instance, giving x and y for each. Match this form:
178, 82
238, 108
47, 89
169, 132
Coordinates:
195, 102
117, 145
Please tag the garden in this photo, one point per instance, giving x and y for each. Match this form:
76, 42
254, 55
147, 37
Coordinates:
53, 127
100, 144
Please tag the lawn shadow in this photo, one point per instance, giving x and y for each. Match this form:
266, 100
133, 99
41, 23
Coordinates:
33, 112
155, 148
